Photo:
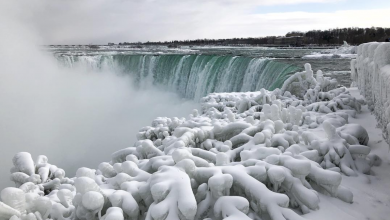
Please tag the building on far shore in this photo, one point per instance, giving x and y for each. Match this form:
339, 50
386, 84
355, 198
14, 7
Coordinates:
111, 44
289, 41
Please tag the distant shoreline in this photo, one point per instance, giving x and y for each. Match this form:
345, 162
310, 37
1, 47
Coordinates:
97, 46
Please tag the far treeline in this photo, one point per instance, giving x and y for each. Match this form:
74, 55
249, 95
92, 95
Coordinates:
337, 36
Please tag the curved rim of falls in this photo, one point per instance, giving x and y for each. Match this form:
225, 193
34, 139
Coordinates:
190, 76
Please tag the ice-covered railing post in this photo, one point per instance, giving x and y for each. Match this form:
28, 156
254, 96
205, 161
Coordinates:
247, 155
370, 71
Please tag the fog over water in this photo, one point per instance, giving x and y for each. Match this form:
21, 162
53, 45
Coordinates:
74, 116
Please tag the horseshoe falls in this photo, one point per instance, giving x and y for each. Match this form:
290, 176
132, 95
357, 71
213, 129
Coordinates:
191, 76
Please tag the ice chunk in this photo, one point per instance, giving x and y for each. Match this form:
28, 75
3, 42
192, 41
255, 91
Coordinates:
23, 162
14, 198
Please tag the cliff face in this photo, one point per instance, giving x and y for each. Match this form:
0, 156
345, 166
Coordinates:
371, 73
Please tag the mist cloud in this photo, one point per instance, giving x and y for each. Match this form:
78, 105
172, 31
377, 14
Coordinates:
73, 116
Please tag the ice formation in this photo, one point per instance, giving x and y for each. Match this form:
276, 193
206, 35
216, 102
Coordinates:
345, 51
371, 73
248, 155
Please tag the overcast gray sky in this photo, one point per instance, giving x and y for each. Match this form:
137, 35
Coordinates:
102, 21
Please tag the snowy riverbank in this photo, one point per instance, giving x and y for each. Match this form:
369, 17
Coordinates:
307, 151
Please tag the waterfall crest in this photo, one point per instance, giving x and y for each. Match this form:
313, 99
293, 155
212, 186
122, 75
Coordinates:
191, 76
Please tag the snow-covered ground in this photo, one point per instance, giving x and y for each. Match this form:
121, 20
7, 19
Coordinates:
371, 192
310, 150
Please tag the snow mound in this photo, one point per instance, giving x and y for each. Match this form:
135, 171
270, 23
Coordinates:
370, 71
346, 51
249, 155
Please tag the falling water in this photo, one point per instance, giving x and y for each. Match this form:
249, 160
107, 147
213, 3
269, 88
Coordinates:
191, 76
